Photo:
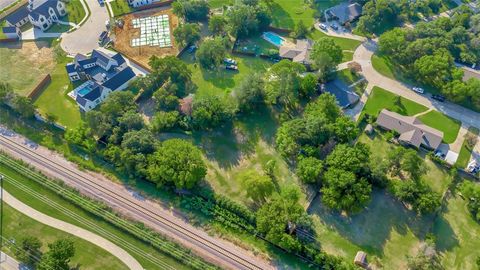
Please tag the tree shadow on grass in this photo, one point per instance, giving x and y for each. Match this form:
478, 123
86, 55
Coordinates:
220, 78
372, 228
280, 17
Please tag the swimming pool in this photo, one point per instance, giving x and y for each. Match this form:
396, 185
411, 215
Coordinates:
273, 38
84, 89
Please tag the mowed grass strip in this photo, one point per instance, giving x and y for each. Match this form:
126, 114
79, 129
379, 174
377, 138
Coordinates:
383, 66
288, 13
344, 43
446, 124
466, 151
88, 255
382, 99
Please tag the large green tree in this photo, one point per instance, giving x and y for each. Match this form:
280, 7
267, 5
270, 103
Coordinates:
249, 93
283, 83
187, 33
58, 256
177, 162
191, 10
210, 111
309, 169
326, 55
211, 53
258, 186
29, 252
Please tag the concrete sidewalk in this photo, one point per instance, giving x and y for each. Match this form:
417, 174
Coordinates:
115, 250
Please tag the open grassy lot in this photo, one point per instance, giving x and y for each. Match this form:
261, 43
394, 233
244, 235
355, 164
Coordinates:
344, 43
458, 235
222, 80
24, 65
447, 125
75, 11
256, 45
383, 66
287, 13
87, 255
54, 100
382, 99
54, 212
220, 3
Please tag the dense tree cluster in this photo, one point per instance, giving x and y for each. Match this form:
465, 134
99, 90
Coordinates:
326, 55
247, 19
428, 53
187, 33
191, 10
20, 104
471, 192
211, 53
321, 122
379, 15
58, 255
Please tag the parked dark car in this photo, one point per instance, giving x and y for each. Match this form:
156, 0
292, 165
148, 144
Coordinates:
102, 36
439, 98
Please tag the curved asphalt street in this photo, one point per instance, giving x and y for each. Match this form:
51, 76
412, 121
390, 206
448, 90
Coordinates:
84, 39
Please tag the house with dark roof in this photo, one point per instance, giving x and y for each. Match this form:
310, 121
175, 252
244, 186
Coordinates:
412, 131
41, 14
299, 53
345, 12
343, 94
10, 32
102, 74
139, 3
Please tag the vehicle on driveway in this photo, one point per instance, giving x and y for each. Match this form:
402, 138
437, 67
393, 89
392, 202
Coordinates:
323, 26
231, 67
418, 90
102, 37
334, 26
439, 98
439, 154
229, 61
473, 167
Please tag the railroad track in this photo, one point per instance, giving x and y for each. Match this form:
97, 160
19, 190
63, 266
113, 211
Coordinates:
98, 189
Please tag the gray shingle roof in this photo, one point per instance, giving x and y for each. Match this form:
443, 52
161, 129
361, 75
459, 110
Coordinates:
18, 15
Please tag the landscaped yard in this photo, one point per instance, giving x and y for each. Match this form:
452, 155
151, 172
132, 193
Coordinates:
89, 256
24, 65
54, 100
466, 152
344, 43
383, 66
256, 45
287, 13
349, 77
75, 11
447, 125
383, 99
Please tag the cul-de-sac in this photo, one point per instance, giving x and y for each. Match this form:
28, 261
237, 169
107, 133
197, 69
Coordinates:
239, 134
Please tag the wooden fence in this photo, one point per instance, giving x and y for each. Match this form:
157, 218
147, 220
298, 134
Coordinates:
39, 88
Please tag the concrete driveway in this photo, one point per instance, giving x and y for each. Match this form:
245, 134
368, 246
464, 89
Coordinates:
85, 39
6, 3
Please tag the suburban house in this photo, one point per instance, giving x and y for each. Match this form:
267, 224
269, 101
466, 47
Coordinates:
102, 74
344, 96
10, 32
412, 131
139, 3
345, 12
299, 53
40, 13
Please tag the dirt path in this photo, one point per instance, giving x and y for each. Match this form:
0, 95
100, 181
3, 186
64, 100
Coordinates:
115, 250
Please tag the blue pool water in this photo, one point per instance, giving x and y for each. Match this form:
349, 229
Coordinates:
85, 90
273, 38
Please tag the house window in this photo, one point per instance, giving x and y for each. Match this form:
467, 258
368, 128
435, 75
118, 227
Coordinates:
45, 26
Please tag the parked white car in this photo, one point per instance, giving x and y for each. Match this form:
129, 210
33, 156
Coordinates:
418, 90
323, 26
472, 166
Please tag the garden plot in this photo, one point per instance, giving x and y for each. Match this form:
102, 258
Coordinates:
154, 31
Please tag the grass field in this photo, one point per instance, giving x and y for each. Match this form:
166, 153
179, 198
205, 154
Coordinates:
54, 100
287, 13
382, 99
344, 43
458, 236
87, 255
120, 7
383, 66
447, 125
48, 210
24, 65
75, 11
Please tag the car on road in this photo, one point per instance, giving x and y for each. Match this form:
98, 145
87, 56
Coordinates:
323, 26
438, 97
418, 90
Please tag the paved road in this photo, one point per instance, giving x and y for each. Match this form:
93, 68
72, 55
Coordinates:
363, 55
85, 39
115, 250
163, 220
8, 263
6, 3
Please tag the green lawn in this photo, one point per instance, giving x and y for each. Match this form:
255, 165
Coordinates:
58, 28
87, 255
344, 43
287, 13
222, 81
466, 152
54, 100
382, 99
256, 45
447, 125
54, 212
349, 78
347, 56
120, 7
383, 66
457, 236
220, 3
75, 11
